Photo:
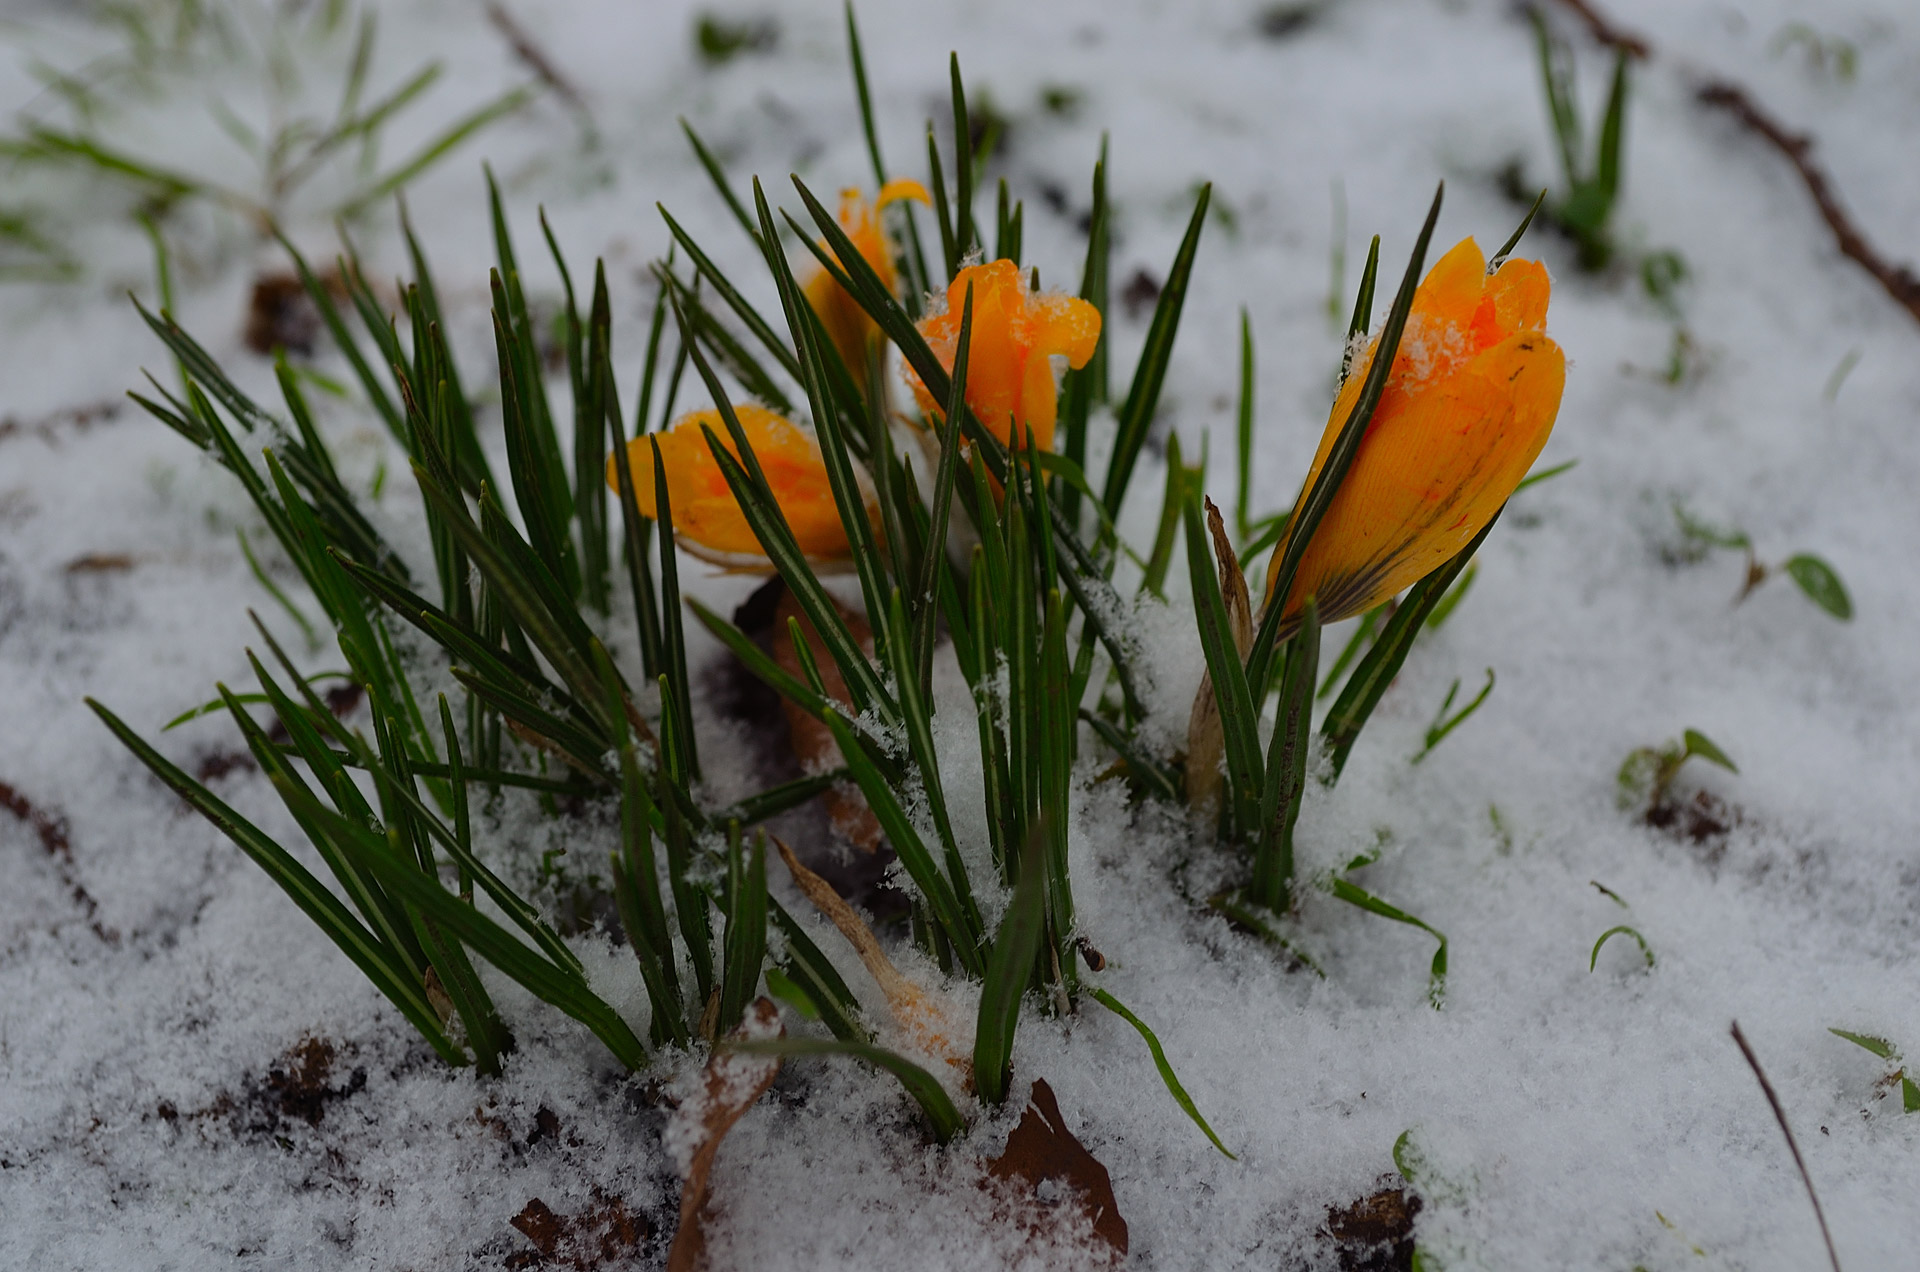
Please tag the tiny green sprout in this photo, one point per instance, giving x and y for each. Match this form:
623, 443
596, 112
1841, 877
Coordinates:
1683, 357
719, 40
1443, 724
1620, 930
1841, 371
1661, 274
1061, 99
1502, 832
1816, 579
1909, 1090
1608, 893
1647, 773
1826, 56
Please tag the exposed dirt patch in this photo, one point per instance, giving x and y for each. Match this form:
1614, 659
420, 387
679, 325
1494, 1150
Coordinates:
1700, 819
1375, 1233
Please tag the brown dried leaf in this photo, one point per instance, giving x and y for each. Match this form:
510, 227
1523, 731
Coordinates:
927, 1020
606, 1233
733, 1083
812, 744
1042, 1150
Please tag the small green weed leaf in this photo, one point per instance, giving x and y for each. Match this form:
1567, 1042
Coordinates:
1879, 1046
1822, 586
925, 1089
1443, 724
1545, 474
1698, 743
1702, 532
1167, 1075
1622, 930
1354, 895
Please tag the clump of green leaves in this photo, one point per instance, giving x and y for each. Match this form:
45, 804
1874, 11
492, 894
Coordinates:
1648, 773
1817, 580
1027, 613
291, 88
1585, 209
543, 707
1831, 57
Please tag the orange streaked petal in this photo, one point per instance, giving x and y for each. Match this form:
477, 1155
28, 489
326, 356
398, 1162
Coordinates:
704, 509
1471, 399
1431, 476
1015, 335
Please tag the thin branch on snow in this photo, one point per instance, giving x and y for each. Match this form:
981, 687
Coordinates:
1900, 282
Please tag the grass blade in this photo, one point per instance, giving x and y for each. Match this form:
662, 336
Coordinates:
942, 1117
1136, 414
1167, 1075
1015, 947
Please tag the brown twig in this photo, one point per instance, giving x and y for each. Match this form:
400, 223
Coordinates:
535, 58
52, 832
1899, 281
1780, 1116
1607, 33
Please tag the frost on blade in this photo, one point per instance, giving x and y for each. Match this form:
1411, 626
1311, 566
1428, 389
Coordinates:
729, 1087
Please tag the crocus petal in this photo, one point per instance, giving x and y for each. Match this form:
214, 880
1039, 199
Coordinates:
704, 510
1470, 403
1015, 335
847, 324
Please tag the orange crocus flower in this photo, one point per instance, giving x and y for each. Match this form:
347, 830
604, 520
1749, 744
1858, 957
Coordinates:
851, 330
706, 519
1016, 333
1468, 404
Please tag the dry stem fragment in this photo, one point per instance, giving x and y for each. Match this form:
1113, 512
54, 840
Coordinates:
734, 1082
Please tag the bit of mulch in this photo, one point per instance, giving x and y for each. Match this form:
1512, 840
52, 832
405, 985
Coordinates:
1375, 1233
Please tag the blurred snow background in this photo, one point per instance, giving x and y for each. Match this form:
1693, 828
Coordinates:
1596, 1120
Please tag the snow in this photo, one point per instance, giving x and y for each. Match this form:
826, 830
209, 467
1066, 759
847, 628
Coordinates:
1570, 1119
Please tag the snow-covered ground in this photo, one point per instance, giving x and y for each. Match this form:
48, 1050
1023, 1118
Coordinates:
154, 981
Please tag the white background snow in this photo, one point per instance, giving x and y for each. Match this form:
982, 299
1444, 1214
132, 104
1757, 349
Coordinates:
1578, 1120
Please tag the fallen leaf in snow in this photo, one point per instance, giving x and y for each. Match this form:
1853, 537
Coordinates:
1042, 1150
